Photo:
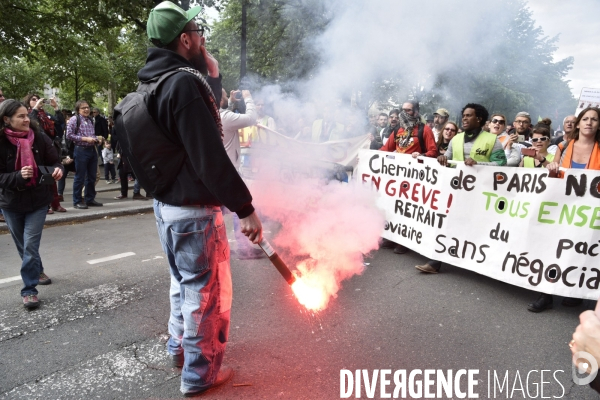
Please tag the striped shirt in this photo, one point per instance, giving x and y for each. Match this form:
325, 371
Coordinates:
86, 129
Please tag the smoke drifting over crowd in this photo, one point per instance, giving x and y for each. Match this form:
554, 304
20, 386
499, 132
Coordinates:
328, 226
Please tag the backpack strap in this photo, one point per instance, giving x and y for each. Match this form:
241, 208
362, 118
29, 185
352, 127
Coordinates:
151, 85
420, 137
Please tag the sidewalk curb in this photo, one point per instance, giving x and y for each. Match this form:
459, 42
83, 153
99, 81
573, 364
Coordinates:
79, 216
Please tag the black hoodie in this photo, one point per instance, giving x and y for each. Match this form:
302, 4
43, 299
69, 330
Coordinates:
207, 177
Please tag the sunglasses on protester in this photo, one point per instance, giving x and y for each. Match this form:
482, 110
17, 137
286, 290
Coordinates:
541, 139
498, 121
449, 129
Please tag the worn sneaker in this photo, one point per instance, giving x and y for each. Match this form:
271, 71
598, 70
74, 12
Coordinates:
31, 301
177, 360
108, 182
44, 279
138, 196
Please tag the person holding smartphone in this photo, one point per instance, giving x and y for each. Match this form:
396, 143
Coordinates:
23, 199
80, 130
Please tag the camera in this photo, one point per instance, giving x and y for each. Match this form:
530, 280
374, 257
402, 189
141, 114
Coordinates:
46, 101
45, 177
237, 95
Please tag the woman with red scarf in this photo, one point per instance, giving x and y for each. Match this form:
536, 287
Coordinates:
23, 199
46, 122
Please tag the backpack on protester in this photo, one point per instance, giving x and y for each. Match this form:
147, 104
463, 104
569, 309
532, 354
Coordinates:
154, 158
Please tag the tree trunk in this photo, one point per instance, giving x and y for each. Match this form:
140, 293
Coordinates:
76, 85
112, 96
243, 42
185, 4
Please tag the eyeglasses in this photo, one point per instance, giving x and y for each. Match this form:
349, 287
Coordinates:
34, 99
521, 122
449, 130
1, 95
541, 139
199, 30
498, 121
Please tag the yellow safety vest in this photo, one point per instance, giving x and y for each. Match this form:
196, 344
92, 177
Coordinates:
528, 162
481, 150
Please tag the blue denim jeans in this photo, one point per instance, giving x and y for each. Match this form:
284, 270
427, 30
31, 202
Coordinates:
86, 166
195, 242
26, 230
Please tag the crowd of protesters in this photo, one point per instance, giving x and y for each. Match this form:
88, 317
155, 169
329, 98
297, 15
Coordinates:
485, 140
86, 139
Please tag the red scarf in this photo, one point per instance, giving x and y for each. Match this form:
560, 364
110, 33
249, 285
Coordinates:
24, 143
45, 122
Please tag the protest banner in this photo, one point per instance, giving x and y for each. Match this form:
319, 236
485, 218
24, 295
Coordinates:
516, 225
589, 98
289, 158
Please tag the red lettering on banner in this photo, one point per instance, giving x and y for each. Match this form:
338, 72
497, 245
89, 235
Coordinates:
387, 188
404, 188
415, 192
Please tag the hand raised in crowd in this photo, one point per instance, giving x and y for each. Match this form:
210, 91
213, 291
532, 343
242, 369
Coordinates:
246, 94
252, 228
370, 137
27, 172
470, 162
53, 103
39, 104
212, 64
415, 154
587, 335
443, 160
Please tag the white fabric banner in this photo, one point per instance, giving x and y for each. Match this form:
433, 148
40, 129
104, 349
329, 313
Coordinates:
516, 225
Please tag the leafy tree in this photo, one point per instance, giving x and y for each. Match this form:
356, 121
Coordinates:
278, 47
18, 77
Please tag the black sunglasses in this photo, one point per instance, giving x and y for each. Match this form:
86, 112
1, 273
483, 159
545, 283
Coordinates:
199, 30
498, 121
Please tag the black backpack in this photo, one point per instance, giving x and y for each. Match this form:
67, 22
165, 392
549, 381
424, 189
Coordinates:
154, 158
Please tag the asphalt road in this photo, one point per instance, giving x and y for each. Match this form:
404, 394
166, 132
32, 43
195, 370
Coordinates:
101, 330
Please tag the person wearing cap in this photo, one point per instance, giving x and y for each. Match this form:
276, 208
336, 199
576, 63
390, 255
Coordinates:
188, 214
440, 117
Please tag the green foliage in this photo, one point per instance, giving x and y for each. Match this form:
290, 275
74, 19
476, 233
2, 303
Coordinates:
87, 49
278, 41
18, 78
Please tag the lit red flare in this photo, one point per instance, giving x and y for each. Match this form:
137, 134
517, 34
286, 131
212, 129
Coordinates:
311, 297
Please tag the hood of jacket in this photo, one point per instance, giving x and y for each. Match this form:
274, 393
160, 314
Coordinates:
160, 61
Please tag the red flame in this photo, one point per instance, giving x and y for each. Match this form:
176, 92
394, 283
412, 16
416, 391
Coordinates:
312, 297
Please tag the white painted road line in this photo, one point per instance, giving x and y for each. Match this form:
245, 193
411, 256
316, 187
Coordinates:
11, 279
110, 258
